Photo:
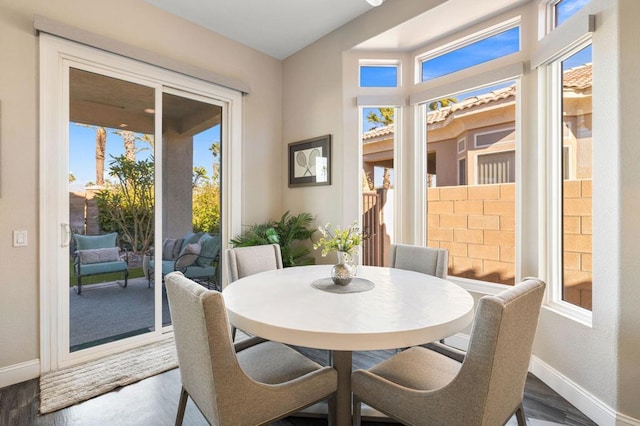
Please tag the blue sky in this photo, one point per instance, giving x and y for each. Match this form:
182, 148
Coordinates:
567, 8
82, 148
485, 50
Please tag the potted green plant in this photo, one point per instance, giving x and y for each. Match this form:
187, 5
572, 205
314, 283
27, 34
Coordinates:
289, 232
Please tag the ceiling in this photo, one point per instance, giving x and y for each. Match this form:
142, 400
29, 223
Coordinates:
280, 28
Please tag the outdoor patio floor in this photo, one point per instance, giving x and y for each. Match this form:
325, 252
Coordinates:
107, 312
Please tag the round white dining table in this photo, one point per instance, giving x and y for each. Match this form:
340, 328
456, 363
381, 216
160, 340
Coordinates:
393, 308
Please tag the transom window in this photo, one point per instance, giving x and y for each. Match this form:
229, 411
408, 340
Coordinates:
379, 75
564, 9
478, 49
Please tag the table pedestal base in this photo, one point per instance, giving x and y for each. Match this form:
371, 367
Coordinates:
342, 361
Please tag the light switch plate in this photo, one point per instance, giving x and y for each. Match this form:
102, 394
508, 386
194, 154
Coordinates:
20, 238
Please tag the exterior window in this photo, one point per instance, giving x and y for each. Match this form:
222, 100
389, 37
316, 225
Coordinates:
497, 168
462, 145
576, 162
490, 138
462, 171
378, 183
474, 53
471, 211
564, 9
379, 75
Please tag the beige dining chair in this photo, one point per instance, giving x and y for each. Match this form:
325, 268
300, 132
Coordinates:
419, 386
254, 382
245, 261
427, 260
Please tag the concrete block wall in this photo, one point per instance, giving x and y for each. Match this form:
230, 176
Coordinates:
477, 225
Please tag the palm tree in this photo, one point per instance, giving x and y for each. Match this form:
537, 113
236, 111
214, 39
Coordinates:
101, 148
215, 151
442, 103
385, 118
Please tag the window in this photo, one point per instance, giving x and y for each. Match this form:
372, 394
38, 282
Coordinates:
497, 168
489, 138
379, 75
466, 55
462, 171
462, 145
471, 211
574, 148
564, 9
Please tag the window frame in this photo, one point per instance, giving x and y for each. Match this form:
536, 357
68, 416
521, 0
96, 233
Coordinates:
552, 207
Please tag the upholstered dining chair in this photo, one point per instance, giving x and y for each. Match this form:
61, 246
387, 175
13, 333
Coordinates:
245, 261
250, 383
419, 386
428, 260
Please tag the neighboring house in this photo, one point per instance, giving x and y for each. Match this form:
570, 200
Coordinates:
472, 142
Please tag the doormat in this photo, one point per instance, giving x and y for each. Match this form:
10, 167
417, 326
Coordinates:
63, 388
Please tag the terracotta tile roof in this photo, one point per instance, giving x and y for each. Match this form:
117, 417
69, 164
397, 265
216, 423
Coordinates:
574, 78
578, 77
379, 131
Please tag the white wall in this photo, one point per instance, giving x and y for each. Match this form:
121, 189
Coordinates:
144, 26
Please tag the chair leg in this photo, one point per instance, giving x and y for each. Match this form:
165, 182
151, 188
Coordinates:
126, 276
233, 333
79, 286
522, 421
181, 406
357, 411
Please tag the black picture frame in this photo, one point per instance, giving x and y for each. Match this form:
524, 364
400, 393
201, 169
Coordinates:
310, 162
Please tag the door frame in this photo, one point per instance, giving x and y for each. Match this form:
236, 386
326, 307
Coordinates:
55, 56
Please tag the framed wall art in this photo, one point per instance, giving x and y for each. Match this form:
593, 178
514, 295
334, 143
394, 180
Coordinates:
310, 162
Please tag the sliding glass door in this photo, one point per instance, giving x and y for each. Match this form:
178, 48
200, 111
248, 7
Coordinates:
132, 170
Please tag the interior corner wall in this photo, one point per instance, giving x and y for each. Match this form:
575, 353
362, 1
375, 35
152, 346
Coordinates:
313, 105
139, 24
628, 339
602, 358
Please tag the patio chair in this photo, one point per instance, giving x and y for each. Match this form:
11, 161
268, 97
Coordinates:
196, 255
97, 255
250, 383
421, 386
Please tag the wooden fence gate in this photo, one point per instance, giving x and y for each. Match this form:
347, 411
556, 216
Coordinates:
375, 246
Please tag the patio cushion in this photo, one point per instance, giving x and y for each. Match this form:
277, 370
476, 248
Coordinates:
188, 255
171, 248
89, 242
111, 254
103, 268
210, 246
190, 238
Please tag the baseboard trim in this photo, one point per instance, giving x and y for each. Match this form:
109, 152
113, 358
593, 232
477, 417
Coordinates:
18, 373
584, 401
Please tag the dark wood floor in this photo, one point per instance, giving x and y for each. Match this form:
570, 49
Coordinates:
154, 402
